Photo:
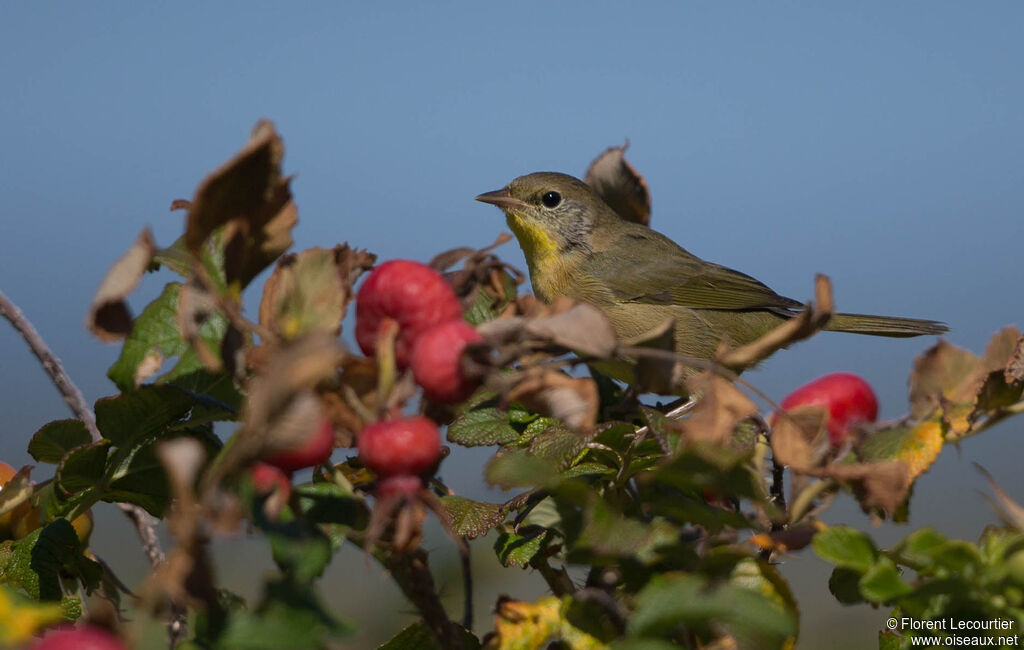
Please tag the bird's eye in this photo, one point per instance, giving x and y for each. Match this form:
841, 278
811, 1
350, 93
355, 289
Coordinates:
551, 199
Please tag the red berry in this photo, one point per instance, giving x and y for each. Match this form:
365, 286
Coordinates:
315, 449
86, 637
413, 294
435, 361
267, 479
400, 447
399, 486
848, 399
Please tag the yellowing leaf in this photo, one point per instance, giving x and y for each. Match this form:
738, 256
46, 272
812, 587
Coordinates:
520, 625
21, 619
921, 447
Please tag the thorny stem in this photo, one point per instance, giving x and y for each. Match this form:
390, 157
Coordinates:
144, 524
558, 580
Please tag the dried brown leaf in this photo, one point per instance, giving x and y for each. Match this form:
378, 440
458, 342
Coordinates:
660, 375
946, 378
804, 325
884, 485
248, 195
572, 400
351, 401
797, 435
790, 539
584, 329
109, 318
721, 407
1014, 372
580, 327
195, 305
311, 289
620, 185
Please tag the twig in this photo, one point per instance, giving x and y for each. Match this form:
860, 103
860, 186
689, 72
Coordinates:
73, 397
467, 584
51, 364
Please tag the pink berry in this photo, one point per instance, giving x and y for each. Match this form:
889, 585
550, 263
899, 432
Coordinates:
314, 450
401, 447
86, 637
848, 399
267, 479
435, 361
412, 294
399, 486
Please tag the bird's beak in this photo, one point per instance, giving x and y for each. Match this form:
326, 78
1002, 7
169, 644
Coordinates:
502, 199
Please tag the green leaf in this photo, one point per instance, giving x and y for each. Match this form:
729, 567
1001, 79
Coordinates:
518, 548
216, 396
882, 582
481, 427
919, 547
610, 533
155, 338
557, 444
674, 599
37, 560
290, 616
416, 636
956, 554
135, 474
517, 468
642, 644
845, 547
469, 518
328, 503
141, 413
845, 586
53, 440
82, 467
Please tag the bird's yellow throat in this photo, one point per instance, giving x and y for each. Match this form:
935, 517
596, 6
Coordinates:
542, 256
538, 246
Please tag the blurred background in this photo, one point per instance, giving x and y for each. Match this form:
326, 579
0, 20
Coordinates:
881, 143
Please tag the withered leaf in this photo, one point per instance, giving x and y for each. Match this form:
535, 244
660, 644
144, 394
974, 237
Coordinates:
797, 435
882, 485
352, 400
804, 325
281, 404
195, 305
584, 329
250, 197
721, 407
948, 378
311, 289
1014, 373
109, 318
581, 328
549, 392
620, 185
660, 375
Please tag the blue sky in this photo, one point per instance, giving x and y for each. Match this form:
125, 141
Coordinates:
881, 143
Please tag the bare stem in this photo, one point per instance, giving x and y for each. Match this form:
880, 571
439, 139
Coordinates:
144, 524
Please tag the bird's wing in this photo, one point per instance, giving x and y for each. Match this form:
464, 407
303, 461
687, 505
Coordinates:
666, 274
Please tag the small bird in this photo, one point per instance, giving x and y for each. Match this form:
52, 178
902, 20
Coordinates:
576, 245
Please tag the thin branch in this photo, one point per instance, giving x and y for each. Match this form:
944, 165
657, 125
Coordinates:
51, 364
144, 524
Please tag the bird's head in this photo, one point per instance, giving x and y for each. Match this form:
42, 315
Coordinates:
550, 213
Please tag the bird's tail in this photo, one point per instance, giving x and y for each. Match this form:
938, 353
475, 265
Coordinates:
884, 325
